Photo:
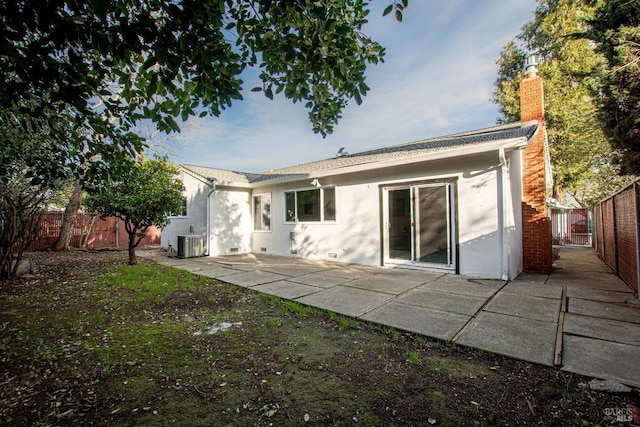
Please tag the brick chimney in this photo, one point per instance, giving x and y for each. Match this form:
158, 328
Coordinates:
536, 226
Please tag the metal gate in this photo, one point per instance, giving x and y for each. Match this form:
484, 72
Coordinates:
571, 226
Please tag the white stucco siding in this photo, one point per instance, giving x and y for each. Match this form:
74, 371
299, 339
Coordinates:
353, 237
515, 238
230, 222
479, 220
486, 211
489, 218
196, 220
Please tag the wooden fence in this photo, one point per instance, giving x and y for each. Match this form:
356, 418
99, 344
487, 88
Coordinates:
89, 232
617, 229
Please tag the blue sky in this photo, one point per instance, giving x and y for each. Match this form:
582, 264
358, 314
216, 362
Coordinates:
437, 79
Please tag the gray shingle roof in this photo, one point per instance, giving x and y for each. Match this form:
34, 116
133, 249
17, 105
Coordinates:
220, 175
477, 137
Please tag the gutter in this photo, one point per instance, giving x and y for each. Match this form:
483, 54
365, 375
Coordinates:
502, 157
508, 144
207, 181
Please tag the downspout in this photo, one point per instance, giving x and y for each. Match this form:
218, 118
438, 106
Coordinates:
212, 185
505, 211
503, 158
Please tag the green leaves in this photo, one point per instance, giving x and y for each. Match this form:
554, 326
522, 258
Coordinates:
616, 30
140, 194
398, 6
570, 69
312, 52
104, 65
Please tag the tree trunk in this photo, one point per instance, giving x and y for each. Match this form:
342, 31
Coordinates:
88, 228
133, 260
20, 218
558, 194
69, 219
134, 240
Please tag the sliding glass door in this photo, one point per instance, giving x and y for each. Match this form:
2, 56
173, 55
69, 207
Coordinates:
400, 220
420, 226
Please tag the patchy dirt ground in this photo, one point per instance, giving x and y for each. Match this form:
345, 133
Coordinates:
91, 341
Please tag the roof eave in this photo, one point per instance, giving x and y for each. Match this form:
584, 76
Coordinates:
234, 184
508, 145
282, 180
215, 181
505, 144
197, 176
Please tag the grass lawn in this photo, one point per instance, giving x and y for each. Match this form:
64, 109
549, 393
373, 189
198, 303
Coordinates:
92, 341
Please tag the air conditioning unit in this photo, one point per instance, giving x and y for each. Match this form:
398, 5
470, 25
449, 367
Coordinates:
190, 246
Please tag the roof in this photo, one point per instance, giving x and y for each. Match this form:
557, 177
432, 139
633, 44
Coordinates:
477, 138
220, 175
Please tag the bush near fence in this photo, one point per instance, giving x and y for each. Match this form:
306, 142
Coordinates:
89, 232
617, 220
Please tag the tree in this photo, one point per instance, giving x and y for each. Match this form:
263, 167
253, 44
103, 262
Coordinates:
141, 197
616, 30
580, 153
24, 193
108, 64
69, 218
21, 209
81, 75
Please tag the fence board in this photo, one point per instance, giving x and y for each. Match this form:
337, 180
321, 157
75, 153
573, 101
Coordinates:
626, 236
105, 233
609, 227
617, 233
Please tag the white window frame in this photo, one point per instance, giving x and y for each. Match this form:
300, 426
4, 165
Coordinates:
262, 197
322, 206
184, 213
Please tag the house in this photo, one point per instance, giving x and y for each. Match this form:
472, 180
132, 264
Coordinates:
472, 203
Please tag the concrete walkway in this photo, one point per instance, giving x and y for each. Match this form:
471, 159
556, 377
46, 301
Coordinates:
581, 317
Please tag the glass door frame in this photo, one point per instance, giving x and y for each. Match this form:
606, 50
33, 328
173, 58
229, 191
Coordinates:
414, 187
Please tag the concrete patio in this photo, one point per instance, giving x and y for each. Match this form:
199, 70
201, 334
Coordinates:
581, 318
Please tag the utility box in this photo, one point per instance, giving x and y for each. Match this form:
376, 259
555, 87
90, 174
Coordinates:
190, 246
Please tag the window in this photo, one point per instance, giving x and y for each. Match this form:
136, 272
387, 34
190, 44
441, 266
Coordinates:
310, 205
329, 204
183, 212
262, 212
290, 202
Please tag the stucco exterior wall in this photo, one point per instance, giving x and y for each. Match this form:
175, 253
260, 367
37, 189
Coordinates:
487, 195
356, 235
230, 221
515, 238
353, 237
196, 220
479, 219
